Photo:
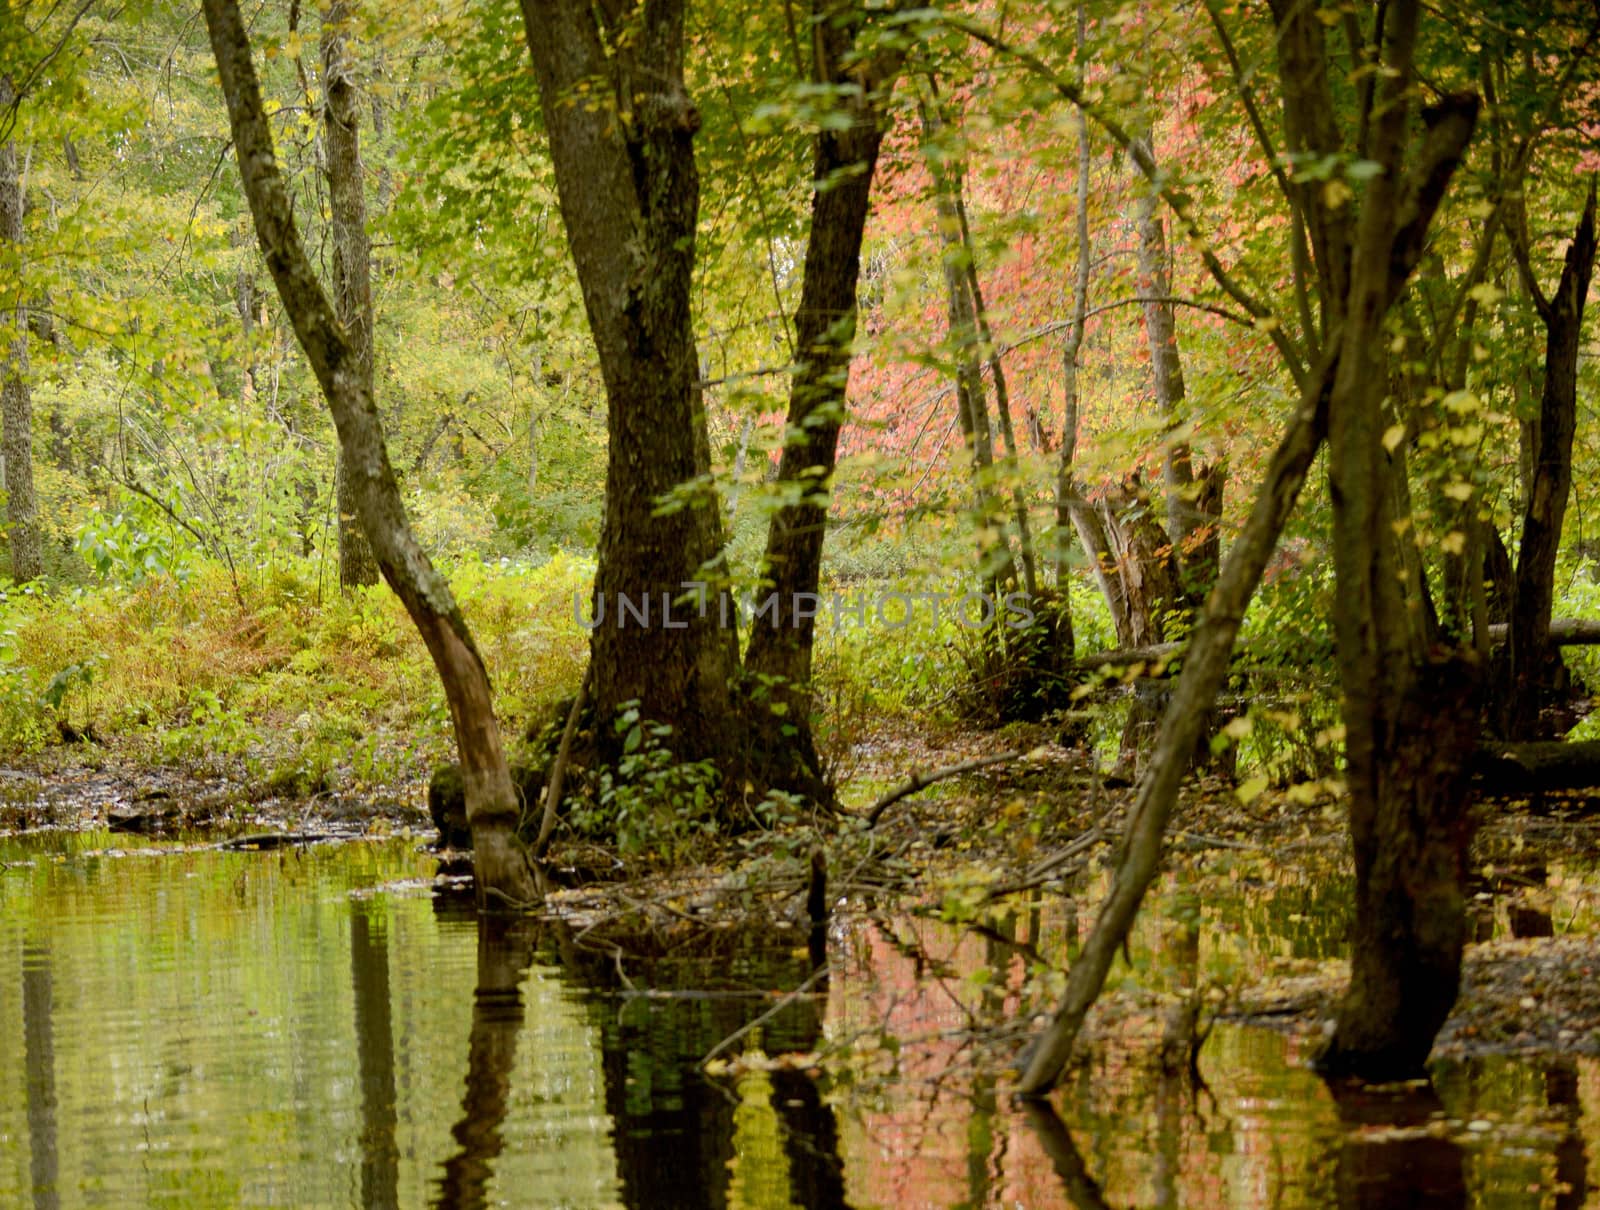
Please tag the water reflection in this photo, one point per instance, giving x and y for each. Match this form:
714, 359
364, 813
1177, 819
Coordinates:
369, 969
505, 951
1391, 1156
302, 1028
1081, 1189
681, 1139
38, 1044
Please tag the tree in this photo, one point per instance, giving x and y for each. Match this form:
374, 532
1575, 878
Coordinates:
621, 127
502, 869
1548, 439
860, 75
16, 397
352, 256
1404, 753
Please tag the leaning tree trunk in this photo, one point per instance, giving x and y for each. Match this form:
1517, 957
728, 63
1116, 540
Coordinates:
629, 193
1393, 244
352, 256
1530, 652
779, 654
1205, 666
503, 873
16, 398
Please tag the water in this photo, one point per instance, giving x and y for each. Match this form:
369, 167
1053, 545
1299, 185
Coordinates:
310, 1028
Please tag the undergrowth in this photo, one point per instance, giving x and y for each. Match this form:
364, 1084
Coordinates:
296, 689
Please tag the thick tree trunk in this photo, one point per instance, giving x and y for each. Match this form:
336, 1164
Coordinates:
1411, 827
492, 807
844, 158
16, 395
629, 194
1545, 508
352, 272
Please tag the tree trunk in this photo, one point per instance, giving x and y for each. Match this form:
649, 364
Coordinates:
352, 273
1394, 223
1205, 667
1410, 713
844, 159
1071, 355
1530, 651
972, 399
1161, 335
492, 807
16, 395
629, 193
1002, 395
1411, 827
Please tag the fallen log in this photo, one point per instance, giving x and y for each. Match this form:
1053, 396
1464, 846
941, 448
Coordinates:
1534, 768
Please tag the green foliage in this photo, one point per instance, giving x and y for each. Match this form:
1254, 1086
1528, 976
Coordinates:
288, 685
651, 802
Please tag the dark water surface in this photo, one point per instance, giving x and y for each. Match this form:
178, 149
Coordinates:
309, 1028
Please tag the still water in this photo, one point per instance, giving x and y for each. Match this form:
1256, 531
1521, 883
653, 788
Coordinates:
311, 1028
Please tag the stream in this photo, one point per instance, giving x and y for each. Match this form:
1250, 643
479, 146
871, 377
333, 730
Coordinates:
308, 1026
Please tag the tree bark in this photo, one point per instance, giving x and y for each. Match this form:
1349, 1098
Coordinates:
629, 193
16, 394
1002, 395
1409, 710
1166, 368
1071, 356
492, 808
352, 270
972, 400
844, 159
1545, 508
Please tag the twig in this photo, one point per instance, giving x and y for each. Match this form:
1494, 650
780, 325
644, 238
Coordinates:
558, 771
820, 973
920, 781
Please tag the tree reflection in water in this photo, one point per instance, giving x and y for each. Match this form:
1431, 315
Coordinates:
677, 1134
505, 951
1388, 1159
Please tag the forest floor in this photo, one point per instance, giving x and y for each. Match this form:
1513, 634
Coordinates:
968, 849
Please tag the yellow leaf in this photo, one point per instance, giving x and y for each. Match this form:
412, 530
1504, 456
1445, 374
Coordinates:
1393, 436
1453, 543
1458, 491
1335, 194
1486, 293
1250, 789
1462, 402
1238, 728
